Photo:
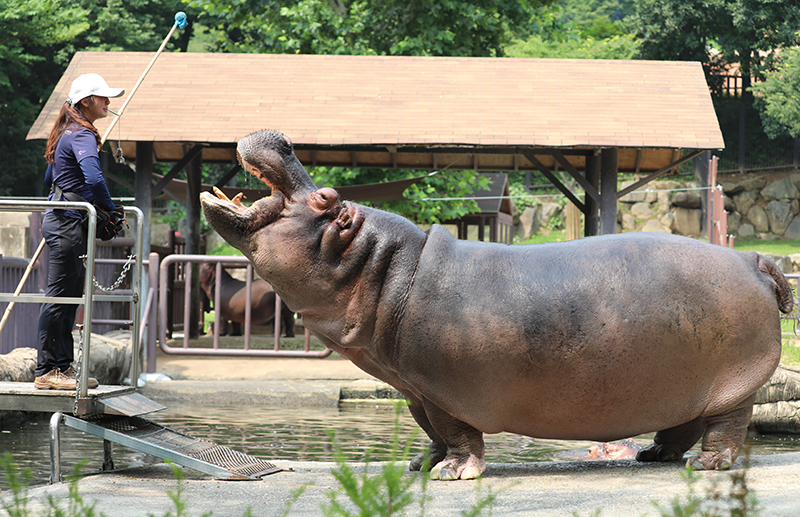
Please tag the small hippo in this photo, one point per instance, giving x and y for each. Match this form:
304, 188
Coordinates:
622, 450
595, 339
233, 300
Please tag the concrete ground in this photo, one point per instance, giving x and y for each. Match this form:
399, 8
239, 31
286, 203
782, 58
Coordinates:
616, 488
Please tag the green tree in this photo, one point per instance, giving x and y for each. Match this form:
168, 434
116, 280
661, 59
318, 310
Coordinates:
376, 27
597, 19
717, 33
30, 33
423, 202
623, 46
37, 40
778, 96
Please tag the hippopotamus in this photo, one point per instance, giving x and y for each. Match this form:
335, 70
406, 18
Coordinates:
598, 339
233, 300
622, 450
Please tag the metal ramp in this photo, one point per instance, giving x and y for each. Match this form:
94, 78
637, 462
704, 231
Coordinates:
150, 438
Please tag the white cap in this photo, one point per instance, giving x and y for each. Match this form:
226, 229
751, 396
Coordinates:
91, 84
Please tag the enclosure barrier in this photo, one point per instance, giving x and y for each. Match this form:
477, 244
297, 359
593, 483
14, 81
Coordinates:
795, 314
83, 403
188, 260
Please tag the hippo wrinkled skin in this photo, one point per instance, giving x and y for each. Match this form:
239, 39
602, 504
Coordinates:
600, 339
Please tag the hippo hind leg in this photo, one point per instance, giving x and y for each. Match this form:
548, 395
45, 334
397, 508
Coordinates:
724, 438
670, 444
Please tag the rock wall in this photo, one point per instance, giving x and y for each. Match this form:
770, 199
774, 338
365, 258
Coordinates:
765, 207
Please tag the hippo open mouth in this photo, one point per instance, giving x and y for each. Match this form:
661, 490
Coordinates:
233, 220
269, 156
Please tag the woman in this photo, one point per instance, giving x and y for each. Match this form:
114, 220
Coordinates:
72, 154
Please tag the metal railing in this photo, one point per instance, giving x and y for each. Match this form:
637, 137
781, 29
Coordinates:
88, 293
795, 314
188, 260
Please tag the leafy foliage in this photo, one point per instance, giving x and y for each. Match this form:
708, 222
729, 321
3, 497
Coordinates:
623, 46
598, 19
716, 32
366, 27
778, 97
425, 200
586, 30
31, 32
37, 40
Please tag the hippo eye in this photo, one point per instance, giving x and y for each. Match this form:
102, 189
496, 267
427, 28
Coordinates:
288, 141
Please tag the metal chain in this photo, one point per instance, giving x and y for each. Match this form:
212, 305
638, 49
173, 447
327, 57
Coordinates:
118, 282
78, 361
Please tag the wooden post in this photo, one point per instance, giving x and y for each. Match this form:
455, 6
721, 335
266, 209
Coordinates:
573, 221
193, 171
143, 185
609, 168
592, 220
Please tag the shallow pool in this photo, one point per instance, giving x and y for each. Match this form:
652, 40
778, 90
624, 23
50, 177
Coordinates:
276, 434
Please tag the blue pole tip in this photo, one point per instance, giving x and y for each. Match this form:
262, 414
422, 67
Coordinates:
180, 20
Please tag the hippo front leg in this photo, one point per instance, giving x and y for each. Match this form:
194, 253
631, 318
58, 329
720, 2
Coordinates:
463, 444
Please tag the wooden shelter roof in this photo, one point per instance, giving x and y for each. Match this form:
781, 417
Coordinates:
411, 112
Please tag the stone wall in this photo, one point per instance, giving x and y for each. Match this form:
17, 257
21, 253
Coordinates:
765, 207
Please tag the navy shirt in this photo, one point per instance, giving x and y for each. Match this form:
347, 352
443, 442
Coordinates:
77, 169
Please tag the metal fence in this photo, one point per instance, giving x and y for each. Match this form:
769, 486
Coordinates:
747, 147
185, 263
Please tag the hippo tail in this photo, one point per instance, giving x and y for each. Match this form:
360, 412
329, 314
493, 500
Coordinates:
783, 291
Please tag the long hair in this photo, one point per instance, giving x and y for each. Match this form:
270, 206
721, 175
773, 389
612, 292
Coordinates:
68, 116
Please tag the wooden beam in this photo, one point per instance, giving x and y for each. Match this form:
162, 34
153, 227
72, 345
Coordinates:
177, 168
553, 179
639, 154
235, 168
658, 173
590, 190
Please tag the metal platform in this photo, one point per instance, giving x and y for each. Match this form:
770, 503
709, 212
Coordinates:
109, 400
150, 438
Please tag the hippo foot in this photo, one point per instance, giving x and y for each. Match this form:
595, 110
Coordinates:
713, 460
423, 461
459, 467
659, 452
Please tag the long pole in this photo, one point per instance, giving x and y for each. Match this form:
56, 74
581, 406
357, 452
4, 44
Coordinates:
180, 22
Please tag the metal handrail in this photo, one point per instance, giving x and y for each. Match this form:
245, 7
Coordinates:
27, 205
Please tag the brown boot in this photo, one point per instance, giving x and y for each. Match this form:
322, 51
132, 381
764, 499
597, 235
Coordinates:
72, 374
54, 380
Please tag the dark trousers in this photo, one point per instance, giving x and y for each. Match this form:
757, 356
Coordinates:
66, 238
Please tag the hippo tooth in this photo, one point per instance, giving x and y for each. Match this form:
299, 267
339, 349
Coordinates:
220, 194
237, 199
